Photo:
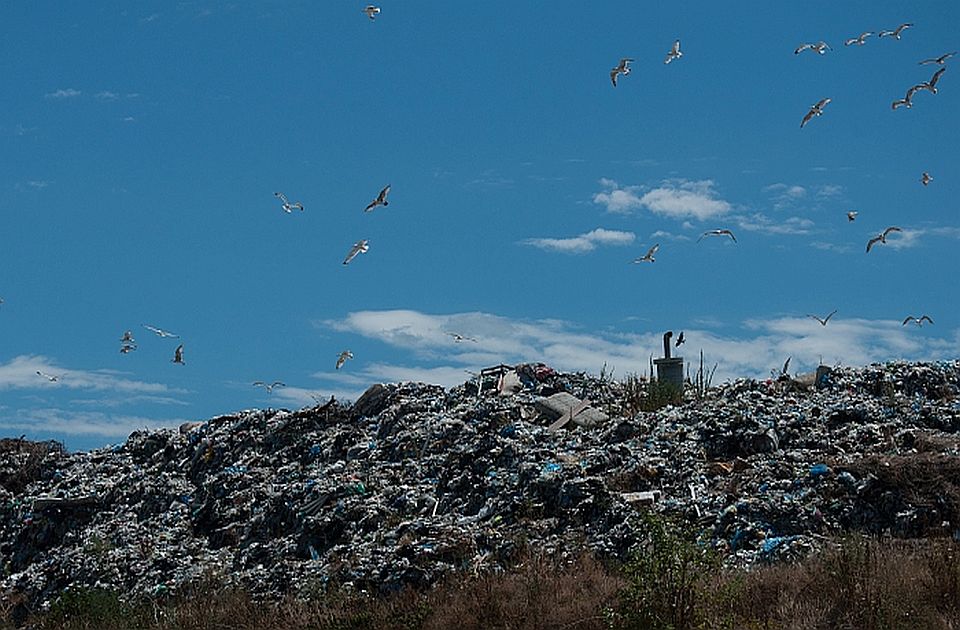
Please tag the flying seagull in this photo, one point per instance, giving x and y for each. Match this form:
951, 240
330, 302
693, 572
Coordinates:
918, 320
622, 68
457, 337
160, 332
346, 354
815, 110
723, 232
942, 59
859, 41
819, 47
674, 52
269, 386
371, 11
381, 200
287, 206
882, 237
680, 340
360, 247
906, 101
178, 355
127, 337
53, 378
931, 85
823, 322
896, 32
852, 215
127, 347
648, 257
926, 178
786, 366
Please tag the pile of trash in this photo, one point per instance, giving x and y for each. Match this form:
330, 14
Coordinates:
413, 482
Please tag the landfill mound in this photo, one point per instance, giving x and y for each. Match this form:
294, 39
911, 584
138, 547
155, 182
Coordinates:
413, 482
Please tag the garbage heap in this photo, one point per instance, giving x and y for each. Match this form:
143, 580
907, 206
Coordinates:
413, 482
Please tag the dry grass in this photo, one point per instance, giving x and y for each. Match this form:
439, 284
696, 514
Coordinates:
860, 583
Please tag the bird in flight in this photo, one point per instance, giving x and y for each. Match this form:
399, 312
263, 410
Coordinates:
723, 232
269, 386
786, 366
859, 41
178, 355
457, 337
680, 340
815, 110
942, 59
622, 68
127, 348
882, 237
823, 322
287, 206
819, 47
371, 11
926, 178
931, 85
917, 320
674, 52
895, 32
906, 101
381, 200
346, 354
53, 378
648, 257
360, 247
160, 332
127, 337
852, 215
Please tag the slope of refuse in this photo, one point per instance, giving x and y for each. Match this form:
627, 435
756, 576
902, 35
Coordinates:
413, 482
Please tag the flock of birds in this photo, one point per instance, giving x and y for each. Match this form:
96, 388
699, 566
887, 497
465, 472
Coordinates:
128, 344
622, 69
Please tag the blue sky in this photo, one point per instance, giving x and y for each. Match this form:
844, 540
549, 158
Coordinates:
142, 144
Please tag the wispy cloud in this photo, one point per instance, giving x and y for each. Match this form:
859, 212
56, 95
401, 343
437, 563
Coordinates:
616, 199
664, 235
67, 93
677, 199
21, 373
784, 195
583, 243
911, 237
759, 222
106, 96
59, 421
830, 190
761, 344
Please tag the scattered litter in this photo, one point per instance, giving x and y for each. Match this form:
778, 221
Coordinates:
413, 482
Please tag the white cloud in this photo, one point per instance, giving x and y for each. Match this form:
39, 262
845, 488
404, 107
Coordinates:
21, 373
82, 422
759, 222
618, 200
830, 190
663, 234
67, 93
785, 195
677, 199
583, 243
683, 199
904, 239
106, 96
760, 346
